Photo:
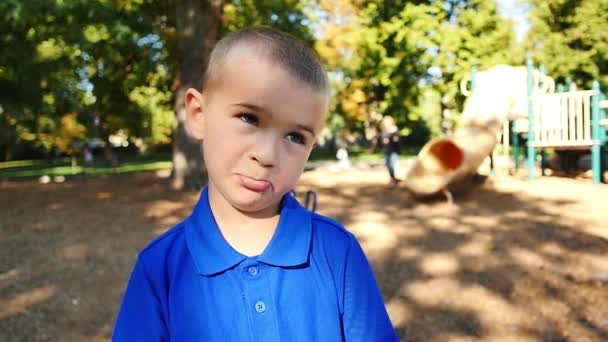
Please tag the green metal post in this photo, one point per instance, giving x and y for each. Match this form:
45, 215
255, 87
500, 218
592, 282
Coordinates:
603, 130
515, 141
543, 153
596, 149
603, 136
531, 150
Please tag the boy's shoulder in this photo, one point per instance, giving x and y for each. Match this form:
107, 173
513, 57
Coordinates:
167, 241
329, 223
331, 231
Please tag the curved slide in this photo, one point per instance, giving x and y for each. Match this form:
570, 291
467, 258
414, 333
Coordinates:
501, 94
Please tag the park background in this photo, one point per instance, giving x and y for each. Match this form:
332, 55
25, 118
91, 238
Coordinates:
509, 260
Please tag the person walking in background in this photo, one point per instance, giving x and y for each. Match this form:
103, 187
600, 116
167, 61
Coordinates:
88, 157
390, 142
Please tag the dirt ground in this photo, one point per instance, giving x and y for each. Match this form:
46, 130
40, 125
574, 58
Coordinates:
511, 260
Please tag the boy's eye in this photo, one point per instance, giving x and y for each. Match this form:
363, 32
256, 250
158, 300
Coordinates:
248, 118
296, 138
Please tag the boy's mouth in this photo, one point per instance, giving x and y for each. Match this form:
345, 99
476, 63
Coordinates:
257, 185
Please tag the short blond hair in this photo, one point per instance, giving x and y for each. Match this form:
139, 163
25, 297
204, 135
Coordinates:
388, 123
282, 48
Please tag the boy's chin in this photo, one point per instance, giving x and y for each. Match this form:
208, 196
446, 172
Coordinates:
257, 205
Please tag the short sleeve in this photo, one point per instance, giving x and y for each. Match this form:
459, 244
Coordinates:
141, 315
365, 317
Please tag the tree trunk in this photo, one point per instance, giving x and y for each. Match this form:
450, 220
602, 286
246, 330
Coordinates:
197, 26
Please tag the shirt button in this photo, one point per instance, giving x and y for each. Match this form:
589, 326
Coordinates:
260, 307
253, 270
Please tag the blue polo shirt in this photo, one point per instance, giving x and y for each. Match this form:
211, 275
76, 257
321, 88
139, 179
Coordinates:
311, 283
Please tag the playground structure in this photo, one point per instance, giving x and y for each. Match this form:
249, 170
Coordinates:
512, 102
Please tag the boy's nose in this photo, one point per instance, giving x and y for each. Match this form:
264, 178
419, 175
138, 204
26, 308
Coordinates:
265, 151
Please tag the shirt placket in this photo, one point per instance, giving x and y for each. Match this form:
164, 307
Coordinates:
259, 301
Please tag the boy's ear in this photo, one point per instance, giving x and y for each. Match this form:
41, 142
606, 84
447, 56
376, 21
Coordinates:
195, 117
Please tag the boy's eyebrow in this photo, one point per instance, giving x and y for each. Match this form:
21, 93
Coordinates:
261, 109
307, 129
251, 106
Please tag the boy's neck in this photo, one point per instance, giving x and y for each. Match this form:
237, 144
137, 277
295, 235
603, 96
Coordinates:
247, 233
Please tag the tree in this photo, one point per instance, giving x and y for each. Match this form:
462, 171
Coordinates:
35, 92
383, 54
97, 74
197, 30
117, 66
569, 38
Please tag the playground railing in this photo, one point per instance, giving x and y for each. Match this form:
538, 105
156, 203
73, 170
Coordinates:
564, 120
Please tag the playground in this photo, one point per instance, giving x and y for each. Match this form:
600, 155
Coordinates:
492, 225
510, 255
509, 259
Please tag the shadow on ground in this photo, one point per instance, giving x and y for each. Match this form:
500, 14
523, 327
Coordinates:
498, 265
494, 266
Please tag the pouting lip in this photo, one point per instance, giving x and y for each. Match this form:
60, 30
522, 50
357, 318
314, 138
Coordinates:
254, 184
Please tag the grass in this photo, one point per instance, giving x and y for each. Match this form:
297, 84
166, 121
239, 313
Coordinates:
363, 155
23, 169
359, 154
63, 167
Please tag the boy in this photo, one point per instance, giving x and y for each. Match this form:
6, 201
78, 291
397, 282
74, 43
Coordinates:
251, 264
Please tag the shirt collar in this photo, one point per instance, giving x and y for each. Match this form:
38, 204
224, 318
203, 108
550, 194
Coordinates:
289, 246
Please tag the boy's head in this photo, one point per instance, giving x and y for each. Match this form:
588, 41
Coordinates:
388, 124
280, 48
263, 102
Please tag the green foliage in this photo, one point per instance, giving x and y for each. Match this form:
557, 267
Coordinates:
82, 59
286, 15
430, 109
109, 66
65, 167
570, 39
29, 87
382, 53
155, 112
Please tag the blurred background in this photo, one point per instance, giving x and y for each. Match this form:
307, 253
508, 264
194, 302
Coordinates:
99, 83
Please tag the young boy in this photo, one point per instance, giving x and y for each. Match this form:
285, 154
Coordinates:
250, 263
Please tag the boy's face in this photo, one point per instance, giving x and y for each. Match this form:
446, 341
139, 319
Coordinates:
259, 125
